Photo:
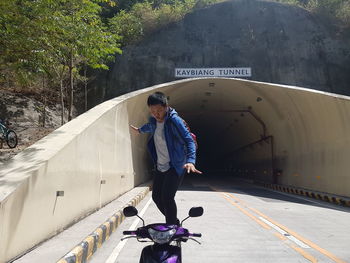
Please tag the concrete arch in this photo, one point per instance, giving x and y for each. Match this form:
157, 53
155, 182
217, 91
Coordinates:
251, 129
284, 134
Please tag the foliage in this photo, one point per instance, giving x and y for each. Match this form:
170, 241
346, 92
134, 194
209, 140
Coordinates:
45, 38
57, 40
146, 17
333, 9
343, 12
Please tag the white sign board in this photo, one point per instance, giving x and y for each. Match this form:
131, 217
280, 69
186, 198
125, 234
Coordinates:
212, 72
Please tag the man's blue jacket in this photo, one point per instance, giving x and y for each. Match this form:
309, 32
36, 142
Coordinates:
181, 146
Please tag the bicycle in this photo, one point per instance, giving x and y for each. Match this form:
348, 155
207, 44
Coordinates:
162, 235
7, 134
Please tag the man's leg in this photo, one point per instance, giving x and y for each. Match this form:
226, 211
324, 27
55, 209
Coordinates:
157, 190
170, 185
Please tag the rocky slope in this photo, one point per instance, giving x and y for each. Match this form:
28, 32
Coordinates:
281, 43
25, 116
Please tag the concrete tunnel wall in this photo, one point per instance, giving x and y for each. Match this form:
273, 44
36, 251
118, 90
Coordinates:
306, 132
93, 148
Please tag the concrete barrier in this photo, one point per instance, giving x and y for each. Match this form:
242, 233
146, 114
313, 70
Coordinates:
71, 173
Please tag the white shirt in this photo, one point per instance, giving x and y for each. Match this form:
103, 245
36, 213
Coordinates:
163, 160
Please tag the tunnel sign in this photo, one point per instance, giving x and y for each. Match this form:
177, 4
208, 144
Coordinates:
212, 72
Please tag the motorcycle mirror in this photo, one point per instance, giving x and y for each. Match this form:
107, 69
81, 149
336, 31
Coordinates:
130, 211
196, 211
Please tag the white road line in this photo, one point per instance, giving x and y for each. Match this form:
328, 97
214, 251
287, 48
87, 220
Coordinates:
284, 233
115, 253
281, 231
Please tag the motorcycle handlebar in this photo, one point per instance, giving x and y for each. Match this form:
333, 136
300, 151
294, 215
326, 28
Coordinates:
128, 232
137, 233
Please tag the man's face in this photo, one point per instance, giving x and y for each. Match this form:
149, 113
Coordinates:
158, 112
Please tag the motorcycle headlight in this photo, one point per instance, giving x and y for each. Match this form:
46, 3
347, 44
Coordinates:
161, 237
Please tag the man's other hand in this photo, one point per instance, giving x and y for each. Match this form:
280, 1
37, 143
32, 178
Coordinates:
191, 168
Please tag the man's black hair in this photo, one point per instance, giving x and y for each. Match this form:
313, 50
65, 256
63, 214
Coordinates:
157, 98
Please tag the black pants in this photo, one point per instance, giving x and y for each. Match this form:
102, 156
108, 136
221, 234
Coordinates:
165, 186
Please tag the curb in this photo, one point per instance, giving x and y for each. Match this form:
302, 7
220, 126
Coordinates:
338, 200
85, 249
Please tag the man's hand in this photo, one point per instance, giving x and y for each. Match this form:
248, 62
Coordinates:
135, 129
191, 168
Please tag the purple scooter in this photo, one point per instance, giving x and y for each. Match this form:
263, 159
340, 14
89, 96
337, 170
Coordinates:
162, 251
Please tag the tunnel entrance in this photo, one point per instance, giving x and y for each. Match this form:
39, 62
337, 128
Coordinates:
265, 132
232, 137
225, 148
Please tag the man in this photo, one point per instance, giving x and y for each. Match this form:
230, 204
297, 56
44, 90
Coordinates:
173, 151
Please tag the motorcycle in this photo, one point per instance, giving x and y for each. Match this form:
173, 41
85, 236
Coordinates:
166, 238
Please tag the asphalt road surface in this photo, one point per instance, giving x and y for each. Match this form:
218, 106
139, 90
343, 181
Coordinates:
243, 223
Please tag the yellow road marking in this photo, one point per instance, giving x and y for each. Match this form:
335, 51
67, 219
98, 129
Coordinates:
304, 254
247, 213
280, 236
306, 241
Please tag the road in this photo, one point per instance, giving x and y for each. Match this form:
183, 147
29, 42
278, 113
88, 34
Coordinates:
244, 223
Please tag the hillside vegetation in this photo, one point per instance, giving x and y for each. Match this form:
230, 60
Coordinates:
333, 9
48, 48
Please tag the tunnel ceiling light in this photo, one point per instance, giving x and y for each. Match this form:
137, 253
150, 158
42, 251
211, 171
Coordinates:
258, 99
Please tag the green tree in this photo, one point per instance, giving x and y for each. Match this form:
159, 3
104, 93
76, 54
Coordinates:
83, 39
44, 38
